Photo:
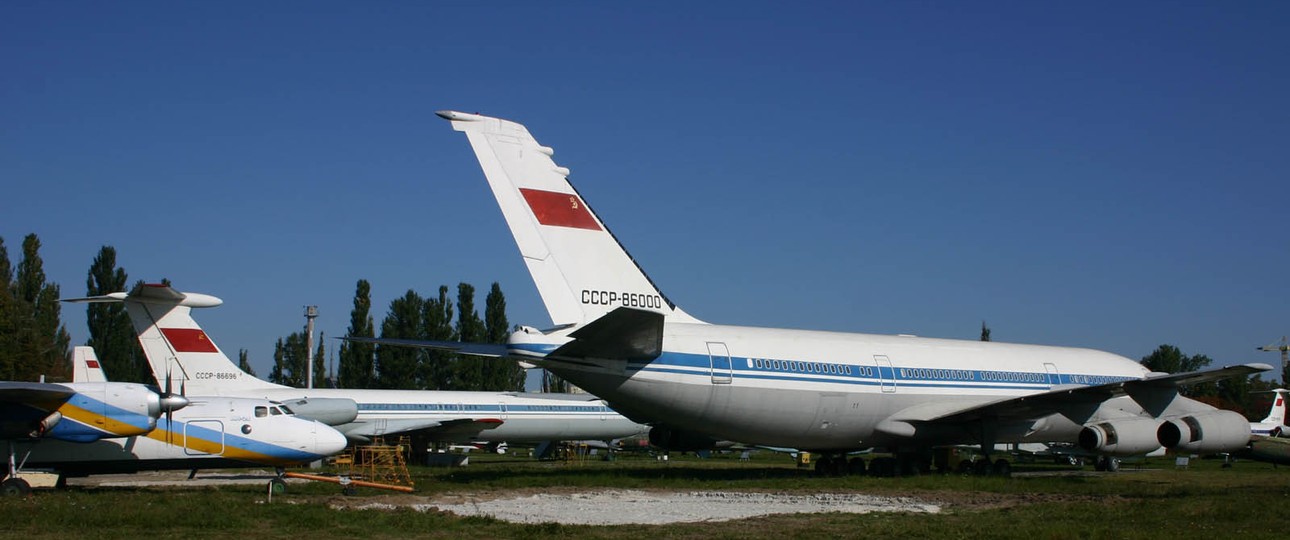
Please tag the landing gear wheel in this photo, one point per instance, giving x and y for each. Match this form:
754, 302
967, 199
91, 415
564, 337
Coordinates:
1001, 468
14, 487
824, 467
278, 486
1112, 464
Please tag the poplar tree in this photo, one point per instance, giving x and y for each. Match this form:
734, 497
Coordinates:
41, 340
357, 360
470, 329
502, 374
397, 366
111, 334
8, 327
243, 363
437, 368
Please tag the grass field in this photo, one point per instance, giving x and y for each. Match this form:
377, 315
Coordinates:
1155, 501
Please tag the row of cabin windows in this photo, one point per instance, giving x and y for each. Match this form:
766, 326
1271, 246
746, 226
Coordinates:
804, 367
930, 373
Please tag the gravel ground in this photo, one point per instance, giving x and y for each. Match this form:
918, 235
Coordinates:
624, 507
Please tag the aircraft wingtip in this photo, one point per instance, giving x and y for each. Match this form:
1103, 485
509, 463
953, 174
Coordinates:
458, 116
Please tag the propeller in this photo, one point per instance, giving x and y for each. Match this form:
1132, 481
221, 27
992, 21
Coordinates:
171, 403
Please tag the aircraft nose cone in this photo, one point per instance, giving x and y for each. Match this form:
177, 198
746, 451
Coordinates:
327, 440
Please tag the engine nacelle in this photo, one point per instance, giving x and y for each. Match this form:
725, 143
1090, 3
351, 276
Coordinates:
330, 411
1205, 433
106, 410
669, 438
1121, 437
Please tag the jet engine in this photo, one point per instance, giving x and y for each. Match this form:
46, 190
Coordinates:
669, 438
1121, 437
1205, 433
330, 411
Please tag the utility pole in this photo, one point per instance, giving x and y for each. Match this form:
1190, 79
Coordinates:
311, 313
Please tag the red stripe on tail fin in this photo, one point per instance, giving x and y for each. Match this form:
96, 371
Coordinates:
559, 209
189, 340
92, 364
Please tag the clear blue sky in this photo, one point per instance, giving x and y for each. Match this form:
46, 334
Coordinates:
1106, 174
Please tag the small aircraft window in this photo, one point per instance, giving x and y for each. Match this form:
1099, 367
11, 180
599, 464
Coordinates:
274, 411
261, 412
287, 410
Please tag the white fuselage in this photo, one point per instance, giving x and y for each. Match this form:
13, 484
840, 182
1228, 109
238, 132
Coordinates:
524, 417
211, 432
828, 390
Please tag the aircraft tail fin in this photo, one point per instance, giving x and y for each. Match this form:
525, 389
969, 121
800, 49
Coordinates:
85, 366
579, 267
176, 346
1277, 415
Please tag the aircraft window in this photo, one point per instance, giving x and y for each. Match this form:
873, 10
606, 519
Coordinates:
261, 411
287, 410
274, 411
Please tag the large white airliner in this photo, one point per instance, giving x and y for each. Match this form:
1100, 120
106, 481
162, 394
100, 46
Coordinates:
178, 350
99, 430
617, 336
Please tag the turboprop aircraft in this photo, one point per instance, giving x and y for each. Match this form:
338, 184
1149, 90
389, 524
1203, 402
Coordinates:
618, 336
102, 435
177, 347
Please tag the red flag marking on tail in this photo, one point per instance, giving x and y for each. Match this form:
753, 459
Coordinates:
92, 364
559, 209
189, 340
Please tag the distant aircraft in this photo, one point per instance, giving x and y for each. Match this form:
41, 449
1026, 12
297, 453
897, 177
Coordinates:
177, 347
1275, 424
618, 336
206, 432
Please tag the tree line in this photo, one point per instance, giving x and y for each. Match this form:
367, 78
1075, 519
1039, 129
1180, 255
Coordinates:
34, 343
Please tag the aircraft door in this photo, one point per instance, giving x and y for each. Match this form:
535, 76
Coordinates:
886, 375
1054, 376
719, 362
204, 438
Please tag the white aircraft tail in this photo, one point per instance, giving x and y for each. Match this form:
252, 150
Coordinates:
176, 347
580, 269
85, 366
1277, 415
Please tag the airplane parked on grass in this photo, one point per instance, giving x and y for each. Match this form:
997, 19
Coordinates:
619, 337
1275, 424
177, 347
111, 427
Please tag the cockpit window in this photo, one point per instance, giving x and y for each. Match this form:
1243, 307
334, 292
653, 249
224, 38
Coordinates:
261, 411
275, 411
286, 409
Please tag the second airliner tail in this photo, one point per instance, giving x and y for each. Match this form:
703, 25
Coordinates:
580, 269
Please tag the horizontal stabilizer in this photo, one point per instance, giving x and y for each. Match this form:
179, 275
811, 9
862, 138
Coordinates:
624, 333
153, 293
488, 350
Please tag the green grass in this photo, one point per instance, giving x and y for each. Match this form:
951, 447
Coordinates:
1243, 501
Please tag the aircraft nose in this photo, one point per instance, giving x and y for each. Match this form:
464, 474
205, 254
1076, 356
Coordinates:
327, 440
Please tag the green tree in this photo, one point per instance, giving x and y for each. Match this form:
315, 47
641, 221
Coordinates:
320, 362
437, 368
8, 327
397, 366
357, 360
111, 333
501, 374
470, 329
290, 361
1170, 359
243, 363
41, 340
985, 332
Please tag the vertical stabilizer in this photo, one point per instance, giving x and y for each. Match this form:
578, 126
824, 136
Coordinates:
580, 269
1277, 415
85, 366
177, 348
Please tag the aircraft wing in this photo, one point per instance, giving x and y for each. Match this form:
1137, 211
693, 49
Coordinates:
1076, 401
24, 404
490, 350
439, 430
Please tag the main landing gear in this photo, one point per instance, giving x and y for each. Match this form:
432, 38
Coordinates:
12, 484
